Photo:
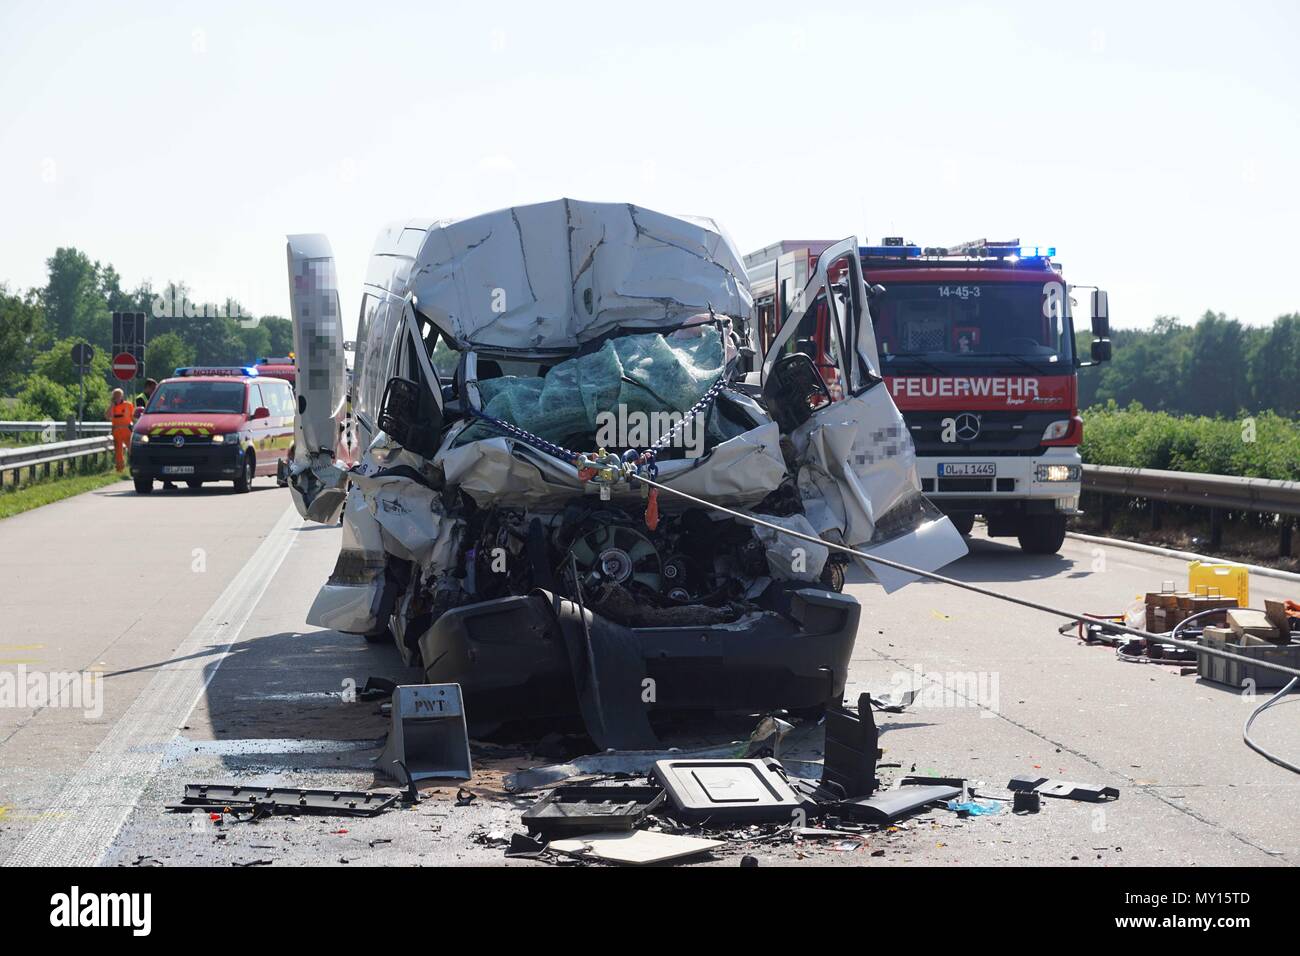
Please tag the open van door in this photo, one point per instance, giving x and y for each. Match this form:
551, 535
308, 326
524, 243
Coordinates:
317, 482
857, 464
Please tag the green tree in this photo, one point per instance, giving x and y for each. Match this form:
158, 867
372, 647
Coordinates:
1275, 367
165, 353
255, 341
1147, 366
281, 335
22, 323
56, 365
73, 297
1214, 379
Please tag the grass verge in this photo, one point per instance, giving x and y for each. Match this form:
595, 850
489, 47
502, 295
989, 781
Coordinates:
46, 492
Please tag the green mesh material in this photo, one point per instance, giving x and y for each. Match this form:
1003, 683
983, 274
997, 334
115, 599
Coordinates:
646, 373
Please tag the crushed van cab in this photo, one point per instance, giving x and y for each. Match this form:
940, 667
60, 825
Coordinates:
212, 424
509, 369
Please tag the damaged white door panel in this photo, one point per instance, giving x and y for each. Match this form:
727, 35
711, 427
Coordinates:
857, 464
352, 600
316, 481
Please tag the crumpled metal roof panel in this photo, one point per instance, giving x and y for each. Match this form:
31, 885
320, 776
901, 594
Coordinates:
554, 275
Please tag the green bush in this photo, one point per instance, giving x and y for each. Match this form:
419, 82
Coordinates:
47, 398
1262, 446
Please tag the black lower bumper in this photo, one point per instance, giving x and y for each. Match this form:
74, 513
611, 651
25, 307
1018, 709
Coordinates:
207, 462
513, 661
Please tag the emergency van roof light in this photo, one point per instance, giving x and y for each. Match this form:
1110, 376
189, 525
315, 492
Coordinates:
247, 371
889, 252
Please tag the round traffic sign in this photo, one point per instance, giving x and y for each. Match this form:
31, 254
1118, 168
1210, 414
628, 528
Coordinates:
83, 353
124, 366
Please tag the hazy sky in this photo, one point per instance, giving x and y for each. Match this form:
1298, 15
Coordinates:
1155, 145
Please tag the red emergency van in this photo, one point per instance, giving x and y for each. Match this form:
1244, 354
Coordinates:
213, 424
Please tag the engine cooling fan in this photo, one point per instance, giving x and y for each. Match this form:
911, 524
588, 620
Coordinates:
619, 554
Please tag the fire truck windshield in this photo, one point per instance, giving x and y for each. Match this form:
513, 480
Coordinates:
965, 322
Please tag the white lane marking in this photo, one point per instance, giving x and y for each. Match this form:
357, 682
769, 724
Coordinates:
83, 820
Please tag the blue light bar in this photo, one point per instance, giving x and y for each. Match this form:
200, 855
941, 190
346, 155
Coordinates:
1035, 252
889, 252
232, 371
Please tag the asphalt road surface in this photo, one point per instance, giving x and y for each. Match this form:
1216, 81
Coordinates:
191, 607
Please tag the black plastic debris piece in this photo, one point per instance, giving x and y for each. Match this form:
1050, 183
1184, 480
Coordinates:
465, 797
914, 780
1064, 789
889, 805
1026, 801
286, 800
852, 749
376, 688
524, 847
723, 791
608, 671
583, 809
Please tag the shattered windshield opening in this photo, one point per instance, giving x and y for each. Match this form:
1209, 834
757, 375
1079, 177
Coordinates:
629, 393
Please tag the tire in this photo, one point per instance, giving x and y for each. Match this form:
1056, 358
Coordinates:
964, 523
244, 482
194, 484
1043, 534
143, 486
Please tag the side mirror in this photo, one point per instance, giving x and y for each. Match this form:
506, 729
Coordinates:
410, 416
1101, 350
1100, 315
261, 412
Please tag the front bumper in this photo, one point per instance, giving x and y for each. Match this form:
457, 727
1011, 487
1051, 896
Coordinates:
206, 461
1015, 487
510, 658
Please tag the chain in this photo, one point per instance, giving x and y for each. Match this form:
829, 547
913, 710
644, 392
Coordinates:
605, 467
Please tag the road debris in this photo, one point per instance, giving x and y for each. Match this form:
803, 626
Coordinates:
585, 809
429, 736
219, 798
1064, 789
725, 792
890, 805
637, 847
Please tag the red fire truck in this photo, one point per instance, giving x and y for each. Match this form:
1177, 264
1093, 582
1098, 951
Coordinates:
976, 345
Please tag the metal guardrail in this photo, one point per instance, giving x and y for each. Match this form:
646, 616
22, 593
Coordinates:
1219, 493
57, 428
49, 458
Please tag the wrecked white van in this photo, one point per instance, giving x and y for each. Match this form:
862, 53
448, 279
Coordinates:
500, 361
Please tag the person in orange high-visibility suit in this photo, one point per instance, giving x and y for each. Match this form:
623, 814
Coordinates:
120, 413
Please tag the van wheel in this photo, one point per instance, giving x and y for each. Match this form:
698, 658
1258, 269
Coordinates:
245, 481
1042, 535
143, 486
